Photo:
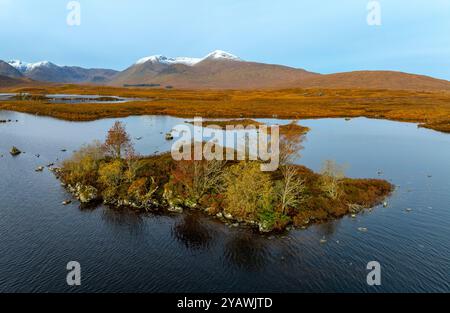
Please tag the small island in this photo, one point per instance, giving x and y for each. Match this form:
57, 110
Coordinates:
235, 192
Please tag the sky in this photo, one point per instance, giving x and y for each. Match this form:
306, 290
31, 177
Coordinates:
324, 36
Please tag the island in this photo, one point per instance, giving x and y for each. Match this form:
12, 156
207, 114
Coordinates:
235, 192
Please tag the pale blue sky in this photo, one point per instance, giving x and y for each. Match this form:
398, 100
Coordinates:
322, 35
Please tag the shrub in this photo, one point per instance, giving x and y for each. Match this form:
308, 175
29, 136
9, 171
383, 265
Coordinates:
82, 167
248, 190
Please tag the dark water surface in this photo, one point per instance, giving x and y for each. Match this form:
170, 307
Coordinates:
126, 252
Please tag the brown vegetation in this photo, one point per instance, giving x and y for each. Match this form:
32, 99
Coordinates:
430, 109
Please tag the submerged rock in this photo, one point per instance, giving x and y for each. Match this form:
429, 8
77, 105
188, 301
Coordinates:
67, 202
362, 229
39, 169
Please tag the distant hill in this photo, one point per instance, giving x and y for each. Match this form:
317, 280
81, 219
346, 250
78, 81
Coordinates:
375, 80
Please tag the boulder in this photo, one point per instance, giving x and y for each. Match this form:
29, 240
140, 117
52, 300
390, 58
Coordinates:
264, 227
86, 194
175, 209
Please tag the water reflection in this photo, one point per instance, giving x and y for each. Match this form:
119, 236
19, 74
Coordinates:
121, 219
193, 232
247, 251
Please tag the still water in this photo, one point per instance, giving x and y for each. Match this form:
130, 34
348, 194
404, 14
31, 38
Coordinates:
125, 252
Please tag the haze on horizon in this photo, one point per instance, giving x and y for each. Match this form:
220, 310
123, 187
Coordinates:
326, 37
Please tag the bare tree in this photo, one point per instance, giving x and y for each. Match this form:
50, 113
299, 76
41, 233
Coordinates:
332, 174
292, 185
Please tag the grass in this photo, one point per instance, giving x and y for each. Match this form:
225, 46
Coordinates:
429, 109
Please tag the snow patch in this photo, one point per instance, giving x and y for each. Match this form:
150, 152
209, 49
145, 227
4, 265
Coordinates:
215, 55
27, 67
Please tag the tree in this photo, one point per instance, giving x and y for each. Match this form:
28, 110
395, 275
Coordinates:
292, 186
249, 191
332, 174
198, 178
118, 141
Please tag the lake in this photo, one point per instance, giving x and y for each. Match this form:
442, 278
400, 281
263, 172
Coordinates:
121, 251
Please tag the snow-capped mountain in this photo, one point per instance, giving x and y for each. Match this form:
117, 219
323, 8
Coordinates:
215, 55
25, 67
218, 69
50, 72
9, 71
167, 60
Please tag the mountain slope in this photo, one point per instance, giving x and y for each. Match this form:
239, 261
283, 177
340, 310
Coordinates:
6, 81
218, 70
9, 71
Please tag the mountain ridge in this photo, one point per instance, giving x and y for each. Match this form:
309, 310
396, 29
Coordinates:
218, 70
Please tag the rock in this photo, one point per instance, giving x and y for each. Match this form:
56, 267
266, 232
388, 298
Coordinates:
67, 202
175, 209
264, 227
323, 240
228, 216
37, 155
63, 150
39, 169
362, 229
50, 164
353, 215
86, 194
190, 204
138, 138
408, 209
385, 204
15, 151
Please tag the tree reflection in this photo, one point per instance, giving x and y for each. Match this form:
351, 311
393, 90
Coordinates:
123, 218
247, 251
193, 232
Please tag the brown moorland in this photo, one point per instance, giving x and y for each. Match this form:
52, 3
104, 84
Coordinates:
429, 109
